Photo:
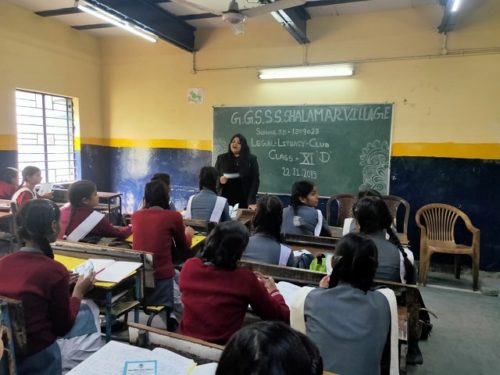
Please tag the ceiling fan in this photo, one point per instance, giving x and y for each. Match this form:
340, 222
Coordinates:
236, 16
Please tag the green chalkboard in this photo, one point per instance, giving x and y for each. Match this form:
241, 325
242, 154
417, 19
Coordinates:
341, 148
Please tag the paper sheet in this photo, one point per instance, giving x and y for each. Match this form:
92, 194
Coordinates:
206, 369
288, 291
45, 188
85, 226
117, 271
111, 358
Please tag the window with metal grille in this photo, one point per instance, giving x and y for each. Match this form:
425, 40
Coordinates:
45, 131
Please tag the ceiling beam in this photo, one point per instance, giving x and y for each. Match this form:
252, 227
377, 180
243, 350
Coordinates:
148, 15
294, 20
93, 26
322, 3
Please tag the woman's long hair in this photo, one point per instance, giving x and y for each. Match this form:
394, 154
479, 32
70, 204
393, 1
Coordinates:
34, 222
373, 215
355, 262
269, 216
300, 189
208, 178
245, 150
224, 246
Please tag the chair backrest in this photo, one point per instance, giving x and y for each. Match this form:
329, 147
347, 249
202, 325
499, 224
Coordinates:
394, 203
344, 203
439, 220
12, 318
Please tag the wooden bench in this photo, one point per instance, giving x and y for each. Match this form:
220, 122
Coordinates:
12, 333
314, 244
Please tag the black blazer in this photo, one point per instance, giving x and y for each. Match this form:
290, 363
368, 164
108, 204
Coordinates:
249, 173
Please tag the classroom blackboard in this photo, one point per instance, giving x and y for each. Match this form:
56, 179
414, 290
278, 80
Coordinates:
341, 148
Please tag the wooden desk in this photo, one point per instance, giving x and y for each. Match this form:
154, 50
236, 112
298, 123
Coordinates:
314, 244
13, 333
337, 233
104, 293
7, 222
5, 205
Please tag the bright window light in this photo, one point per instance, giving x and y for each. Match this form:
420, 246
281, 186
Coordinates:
313, 71
121, 23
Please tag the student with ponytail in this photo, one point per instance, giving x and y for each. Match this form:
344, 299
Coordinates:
349, 322
43, 285
32, 176
375, 220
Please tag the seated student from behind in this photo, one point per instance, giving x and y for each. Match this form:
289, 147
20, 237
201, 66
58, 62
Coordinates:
374, 220
265, 348
265, 245
349, 322
216, 292
302, 217
32, 176
155, 229
165, 178
206, 205
43, 286
9, 182
80, 214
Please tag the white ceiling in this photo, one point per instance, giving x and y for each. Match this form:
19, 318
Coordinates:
218, 6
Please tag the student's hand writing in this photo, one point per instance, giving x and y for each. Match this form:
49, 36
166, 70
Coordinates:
223, 180
83, 285
73, 277
325, 282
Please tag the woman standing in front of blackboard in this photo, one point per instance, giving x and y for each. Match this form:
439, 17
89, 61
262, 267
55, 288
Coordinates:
238, 173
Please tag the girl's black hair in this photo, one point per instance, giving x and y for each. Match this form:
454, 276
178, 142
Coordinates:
270, 348
224, 246
373, 215
245, 150
355, 262
162, 177
80, 190
300, 189
208, 178
34, 222
29, 171
269, 216
369, 193
7, 174
156, 193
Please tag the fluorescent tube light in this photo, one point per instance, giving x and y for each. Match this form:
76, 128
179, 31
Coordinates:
313, 71
456, 5
121, 23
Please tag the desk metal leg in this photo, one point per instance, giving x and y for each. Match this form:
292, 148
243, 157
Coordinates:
137, 290
108, 316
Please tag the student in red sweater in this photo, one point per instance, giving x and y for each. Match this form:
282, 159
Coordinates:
32, 276
32, 176
155, 229
9, 182
83, 198
216, 292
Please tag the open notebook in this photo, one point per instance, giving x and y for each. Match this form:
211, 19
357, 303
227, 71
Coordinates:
107, 269
116, 358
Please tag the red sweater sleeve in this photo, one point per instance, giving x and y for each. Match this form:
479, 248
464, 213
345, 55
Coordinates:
63, 309
23, 197
265, 306
181, 240
105, 229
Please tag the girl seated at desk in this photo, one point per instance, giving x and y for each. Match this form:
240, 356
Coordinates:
302, 217
43, 286
349, 322
216, 292
206, 205
265, 245
374, 219
9, 180
32, 176
155, 229
80, 220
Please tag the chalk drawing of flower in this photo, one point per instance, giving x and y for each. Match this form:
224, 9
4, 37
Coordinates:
374, 159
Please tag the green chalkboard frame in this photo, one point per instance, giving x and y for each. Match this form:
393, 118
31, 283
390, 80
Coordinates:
342, 148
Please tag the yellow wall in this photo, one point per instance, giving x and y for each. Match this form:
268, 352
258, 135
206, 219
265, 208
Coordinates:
44, 55
437, 98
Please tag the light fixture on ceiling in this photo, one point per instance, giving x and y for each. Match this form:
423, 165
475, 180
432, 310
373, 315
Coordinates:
310, 71
119, 22
456, 5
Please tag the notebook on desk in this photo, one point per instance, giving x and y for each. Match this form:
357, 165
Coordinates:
115, 358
